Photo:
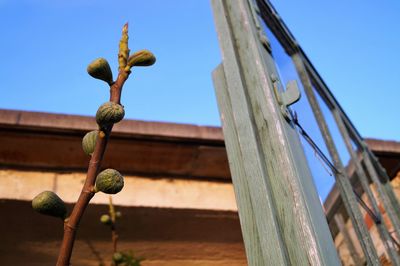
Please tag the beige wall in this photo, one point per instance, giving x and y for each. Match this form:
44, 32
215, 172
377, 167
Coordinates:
168, 221
138, 191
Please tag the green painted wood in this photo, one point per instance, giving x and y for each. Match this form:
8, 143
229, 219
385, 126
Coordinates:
385, 192
382, 229
385, 189
288, 41
265, 217
239, 178
265, 153
342, 180
387, 195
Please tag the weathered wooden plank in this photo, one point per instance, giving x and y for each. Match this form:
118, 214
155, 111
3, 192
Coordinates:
385, 192
382, 229
342, 180
288, 217
271, 244
239, 178
388, 196
378, 176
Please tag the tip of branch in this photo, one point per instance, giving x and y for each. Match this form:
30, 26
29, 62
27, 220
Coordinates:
125, 28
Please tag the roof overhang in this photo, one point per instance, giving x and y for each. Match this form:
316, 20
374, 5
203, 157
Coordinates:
33, 140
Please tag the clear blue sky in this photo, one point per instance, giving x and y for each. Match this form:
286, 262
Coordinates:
47, 44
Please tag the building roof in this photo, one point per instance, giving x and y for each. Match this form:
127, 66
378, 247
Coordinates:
53, 142
35, 140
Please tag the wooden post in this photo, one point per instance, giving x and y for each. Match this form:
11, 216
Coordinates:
342, 179
382, 229
375, 170
385, 191
280, 213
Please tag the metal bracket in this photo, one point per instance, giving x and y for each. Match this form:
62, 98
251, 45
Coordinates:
286, 98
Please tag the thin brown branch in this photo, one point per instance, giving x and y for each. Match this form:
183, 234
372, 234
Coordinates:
114, 235
116, 88
71, 224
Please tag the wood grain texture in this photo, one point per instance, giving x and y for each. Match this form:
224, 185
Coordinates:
385, 192
342, 179
382, 229
264, 152
242, 190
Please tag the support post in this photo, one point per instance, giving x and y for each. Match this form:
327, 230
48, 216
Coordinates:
280, 213
385, 192
382, 229
342, 179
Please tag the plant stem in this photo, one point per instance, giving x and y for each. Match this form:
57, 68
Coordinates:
71, 224
114, 235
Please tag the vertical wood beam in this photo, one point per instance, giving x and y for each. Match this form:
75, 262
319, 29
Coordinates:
281, 216
385, 192
382, 229
375, 170
342, 179
237, 167
367, 154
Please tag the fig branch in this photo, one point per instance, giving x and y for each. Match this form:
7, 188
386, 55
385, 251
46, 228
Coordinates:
126, 258
114, 234
94, 144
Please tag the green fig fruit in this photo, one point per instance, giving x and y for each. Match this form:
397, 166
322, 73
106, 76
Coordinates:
109, 181
100, 69
105, 219
49, 203
118, 257
109, 113
89, 142
141, 58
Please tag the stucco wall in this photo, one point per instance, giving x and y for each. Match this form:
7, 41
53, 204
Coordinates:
168, 221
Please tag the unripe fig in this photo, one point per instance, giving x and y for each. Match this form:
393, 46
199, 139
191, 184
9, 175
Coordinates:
109, 113
109, 181
141, 58
100, 69
89, 142
49, 203
118, 257
105, 219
